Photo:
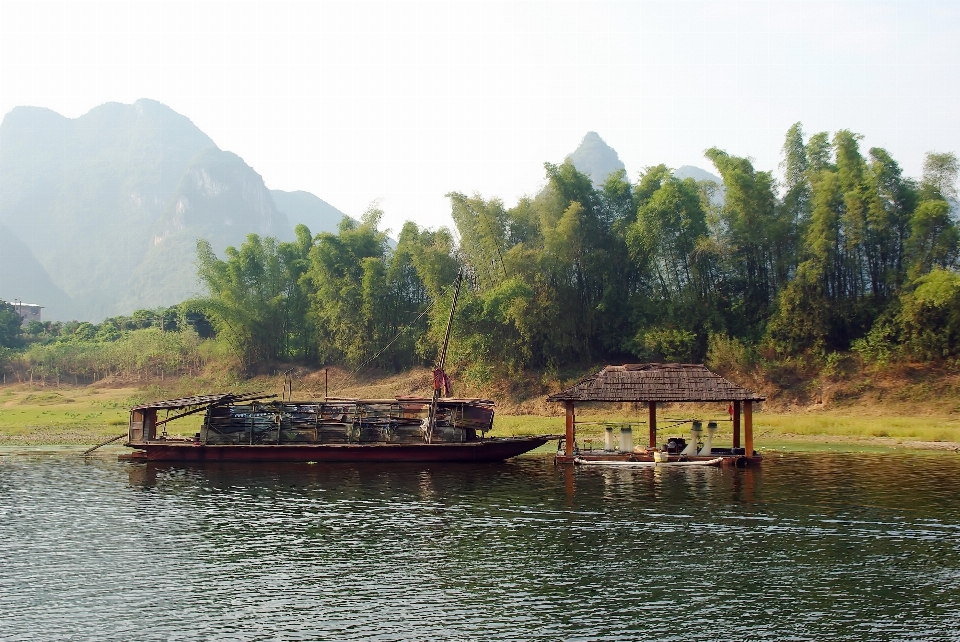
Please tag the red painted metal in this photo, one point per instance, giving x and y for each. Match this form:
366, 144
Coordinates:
494, 449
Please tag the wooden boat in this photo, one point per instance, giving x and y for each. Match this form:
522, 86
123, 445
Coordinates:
261, 428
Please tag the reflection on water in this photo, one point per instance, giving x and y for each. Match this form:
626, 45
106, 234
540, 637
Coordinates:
806, 547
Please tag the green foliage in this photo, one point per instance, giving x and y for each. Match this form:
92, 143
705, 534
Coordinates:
729, 354
84, 332
940, 176
879, 346
34, 328
756, 233
934, 238
669, 344
148, 352
257, 303
9, 325
846, 253
930, 318
832, 364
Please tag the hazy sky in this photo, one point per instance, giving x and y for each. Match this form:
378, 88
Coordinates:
405, 101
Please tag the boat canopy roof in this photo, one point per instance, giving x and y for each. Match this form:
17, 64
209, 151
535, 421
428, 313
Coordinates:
200, 400
410, 399
662, 382
230, 398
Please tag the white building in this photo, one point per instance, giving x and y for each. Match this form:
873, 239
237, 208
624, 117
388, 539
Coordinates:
28, 311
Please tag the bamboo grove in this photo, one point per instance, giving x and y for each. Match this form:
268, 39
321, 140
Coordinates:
842, 253
845, 252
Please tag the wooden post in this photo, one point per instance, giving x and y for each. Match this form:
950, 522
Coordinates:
653, 423
748, 428
570, 421
736, 424
149, 424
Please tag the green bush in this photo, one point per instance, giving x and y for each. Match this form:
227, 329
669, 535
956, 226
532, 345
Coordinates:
879, 346
671, 344
139, 352
729, 354
930, 316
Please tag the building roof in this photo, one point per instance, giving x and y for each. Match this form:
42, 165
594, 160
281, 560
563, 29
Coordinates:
633, 382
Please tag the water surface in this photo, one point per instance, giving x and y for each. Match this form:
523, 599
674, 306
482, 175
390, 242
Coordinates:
807, 547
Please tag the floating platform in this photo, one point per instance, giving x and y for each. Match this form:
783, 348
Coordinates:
641, 460
653, 384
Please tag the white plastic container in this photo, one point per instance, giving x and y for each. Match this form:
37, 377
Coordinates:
708, 441
608, 439
695, 431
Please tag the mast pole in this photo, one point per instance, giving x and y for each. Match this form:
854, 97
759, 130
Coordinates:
446, 338
441, 361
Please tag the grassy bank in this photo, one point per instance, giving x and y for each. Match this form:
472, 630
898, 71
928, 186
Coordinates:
31, 415
770, 429
49, 415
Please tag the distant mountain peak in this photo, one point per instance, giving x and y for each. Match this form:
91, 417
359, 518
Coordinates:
101, 213
595, 158
697, 174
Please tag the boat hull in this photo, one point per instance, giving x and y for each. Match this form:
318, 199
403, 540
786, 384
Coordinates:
476, 451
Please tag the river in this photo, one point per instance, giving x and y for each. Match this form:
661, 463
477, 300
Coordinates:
805, 547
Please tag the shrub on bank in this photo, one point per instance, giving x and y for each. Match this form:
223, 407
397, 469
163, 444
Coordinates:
145, 353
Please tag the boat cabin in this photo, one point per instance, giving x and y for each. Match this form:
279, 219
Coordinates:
257, 419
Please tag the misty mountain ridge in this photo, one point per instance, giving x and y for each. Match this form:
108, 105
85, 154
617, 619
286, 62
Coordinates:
595, 158
100, 214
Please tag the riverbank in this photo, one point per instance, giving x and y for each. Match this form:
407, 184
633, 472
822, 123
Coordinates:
32, 415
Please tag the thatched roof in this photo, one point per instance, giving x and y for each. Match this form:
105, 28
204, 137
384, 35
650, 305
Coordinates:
656, 382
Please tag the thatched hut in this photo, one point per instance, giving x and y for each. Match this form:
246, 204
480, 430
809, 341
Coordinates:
654, 383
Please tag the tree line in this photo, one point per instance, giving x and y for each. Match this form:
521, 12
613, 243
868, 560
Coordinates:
146, 344
845, 252
842, 253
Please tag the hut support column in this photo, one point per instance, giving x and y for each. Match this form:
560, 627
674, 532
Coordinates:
748, 428
653, 423
736, 424
568, 444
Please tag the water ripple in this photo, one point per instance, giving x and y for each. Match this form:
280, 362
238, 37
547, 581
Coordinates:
827, 547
